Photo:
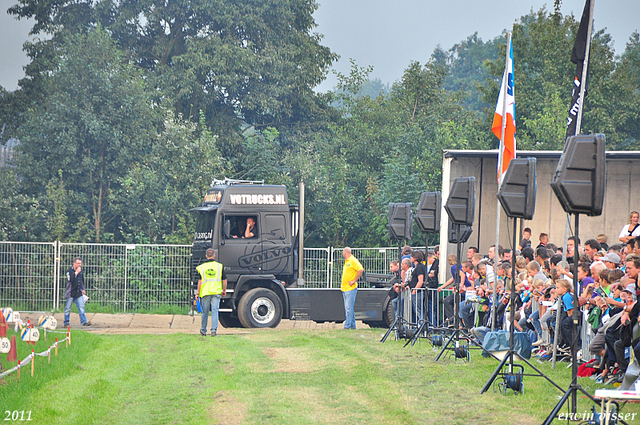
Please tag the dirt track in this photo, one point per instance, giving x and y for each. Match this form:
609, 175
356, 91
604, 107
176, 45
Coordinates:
102, 323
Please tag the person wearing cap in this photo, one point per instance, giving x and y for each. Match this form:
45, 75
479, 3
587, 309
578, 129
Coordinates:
611, 260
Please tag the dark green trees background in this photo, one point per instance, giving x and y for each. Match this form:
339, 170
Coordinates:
129, 109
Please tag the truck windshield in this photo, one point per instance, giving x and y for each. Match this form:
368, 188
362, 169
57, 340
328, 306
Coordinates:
205, 221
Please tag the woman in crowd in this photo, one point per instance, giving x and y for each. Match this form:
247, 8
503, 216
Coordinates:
631, 230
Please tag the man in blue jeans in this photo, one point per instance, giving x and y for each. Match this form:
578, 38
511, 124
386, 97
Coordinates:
74, 292
351, 272
212, 286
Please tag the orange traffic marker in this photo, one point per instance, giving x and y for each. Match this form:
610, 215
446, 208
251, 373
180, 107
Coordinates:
3, 326
12, 355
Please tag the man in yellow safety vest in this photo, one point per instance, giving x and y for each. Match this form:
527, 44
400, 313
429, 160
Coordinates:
212, 286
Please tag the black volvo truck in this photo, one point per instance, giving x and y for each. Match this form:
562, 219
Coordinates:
262, 264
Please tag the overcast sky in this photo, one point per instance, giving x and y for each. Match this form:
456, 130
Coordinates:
387, 34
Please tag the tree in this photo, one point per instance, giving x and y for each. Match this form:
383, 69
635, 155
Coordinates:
543, 74
466, 69
154, 196
242, 62
92, 129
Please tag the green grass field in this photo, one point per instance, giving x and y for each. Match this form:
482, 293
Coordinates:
269, 376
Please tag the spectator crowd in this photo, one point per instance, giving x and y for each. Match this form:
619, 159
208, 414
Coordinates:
607, 293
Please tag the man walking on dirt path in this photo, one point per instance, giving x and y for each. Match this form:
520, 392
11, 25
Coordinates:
212, 286
74, 292
351, 272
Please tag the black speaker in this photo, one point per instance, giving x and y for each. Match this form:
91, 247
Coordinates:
580, 177
461, 204
462, 236
517, 193
400, 223
428, 214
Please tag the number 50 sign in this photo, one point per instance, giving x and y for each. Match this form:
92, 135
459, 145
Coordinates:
5, 345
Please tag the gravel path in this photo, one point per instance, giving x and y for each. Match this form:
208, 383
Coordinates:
102, 323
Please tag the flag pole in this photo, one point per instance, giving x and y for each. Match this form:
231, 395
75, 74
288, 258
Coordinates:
496, 251
585, 67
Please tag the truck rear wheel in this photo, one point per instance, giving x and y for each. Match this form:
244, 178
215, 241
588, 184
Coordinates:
389, 315
260, 308
227, 321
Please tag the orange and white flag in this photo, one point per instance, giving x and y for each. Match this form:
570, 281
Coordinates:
506, 106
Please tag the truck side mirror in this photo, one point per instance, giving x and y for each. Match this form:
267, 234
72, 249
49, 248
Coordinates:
227, 229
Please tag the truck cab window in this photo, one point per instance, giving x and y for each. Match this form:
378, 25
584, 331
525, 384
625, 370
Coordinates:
204, 227
243, 227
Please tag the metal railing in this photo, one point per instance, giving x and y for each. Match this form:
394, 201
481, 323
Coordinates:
27, 275
126, 278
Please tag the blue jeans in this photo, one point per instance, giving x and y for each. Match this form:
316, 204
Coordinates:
468, 314
209, 303
80, 304
432, 307
349, 298
535, 321
394, 302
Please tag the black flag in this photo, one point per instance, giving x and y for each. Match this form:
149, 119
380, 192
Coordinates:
578, 56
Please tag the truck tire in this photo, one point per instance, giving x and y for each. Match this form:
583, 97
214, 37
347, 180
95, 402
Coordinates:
227, 321
260, 308
389, 315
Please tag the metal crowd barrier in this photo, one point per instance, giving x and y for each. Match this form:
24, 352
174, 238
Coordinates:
412, 311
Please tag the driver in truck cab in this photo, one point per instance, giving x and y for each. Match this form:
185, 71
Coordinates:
250, 231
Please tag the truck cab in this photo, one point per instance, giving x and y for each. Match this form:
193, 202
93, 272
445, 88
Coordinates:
249, 226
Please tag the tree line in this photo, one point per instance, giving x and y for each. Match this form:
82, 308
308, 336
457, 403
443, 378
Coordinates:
129, 109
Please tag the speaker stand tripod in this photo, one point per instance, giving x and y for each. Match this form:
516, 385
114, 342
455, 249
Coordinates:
400, 325
508, 357
574, 387
455, 336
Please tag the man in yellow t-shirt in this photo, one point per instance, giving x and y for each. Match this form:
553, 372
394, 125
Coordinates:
351, 272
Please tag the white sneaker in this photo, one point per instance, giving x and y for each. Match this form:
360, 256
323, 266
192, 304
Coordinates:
538, 343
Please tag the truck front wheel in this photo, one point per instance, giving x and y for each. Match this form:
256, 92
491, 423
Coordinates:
260, 308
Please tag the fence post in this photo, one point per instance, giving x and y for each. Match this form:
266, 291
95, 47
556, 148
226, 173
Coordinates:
330, 267
126, 269
56, 275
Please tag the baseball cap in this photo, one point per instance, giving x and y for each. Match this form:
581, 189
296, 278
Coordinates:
612, 257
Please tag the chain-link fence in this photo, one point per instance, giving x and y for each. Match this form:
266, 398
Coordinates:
131, 277
27, 275
138, 278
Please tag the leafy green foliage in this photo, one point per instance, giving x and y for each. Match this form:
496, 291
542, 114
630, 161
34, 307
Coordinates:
91, 130
131, 108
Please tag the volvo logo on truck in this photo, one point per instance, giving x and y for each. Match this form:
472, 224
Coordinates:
269, 255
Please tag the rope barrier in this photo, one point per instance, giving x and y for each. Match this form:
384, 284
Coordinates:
27, 359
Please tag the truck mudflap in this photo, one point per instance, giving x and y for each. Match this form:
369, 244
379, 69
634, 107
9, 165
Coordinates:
327, 305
